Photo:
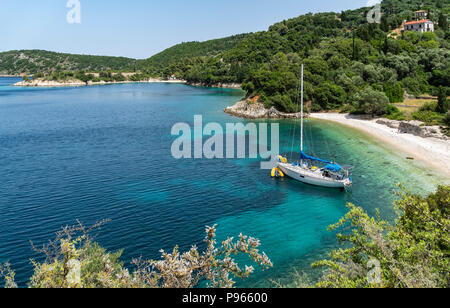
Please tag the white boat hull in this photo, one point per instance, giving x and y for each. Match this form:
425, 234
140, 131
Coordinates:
311, 177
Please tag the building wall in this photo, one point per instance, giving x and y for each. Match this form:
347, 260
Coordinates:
423, 27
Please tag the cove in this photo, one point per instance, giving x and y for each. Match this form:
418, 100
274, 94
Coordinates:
101, 152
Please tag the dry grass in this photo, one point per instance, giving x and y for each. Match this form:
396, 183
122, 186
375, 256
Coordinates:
409, 106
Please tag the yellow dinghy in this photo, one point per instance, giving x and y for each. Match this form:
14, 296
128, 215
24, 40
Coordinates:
276, 172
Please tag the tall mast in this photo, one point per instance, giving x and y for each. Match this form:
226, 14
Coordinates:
301, 112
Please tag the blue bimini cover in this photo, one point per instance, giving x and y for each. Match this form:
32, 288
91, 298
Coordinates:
304, 156
333, 167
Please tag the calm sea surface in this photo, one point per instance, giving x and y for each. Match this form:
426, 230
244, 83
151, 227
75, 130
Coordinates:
100, 152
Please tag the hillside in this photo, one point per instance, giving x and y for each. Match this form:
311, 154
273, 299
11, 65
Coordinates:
185, 50
17, 62
350, 65
33, 61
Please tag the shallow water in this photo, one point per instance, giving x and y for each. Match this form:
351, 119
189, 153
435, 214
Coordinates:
100, 152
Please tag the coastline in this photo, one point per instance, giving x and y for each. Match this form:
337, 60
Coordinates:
79, 83
432, 151
216, 85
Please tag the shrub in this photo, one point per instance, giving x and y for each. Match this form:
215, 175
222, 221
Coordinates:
413, 253
393, 113
369, 101
432, 106
329, 96
447, 119
428, 117
442, 105
75, 261
394, 91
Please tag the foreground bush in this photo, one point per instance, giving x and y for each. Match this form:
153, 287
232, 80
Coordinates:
75, 261
413, 253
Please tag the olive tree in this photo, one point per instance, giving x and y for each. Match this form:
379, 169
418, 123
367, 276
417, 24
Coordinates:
369, 101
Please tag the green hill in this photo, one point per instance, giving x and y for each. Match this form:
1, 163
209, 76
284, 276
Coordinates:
185, 50
33, 61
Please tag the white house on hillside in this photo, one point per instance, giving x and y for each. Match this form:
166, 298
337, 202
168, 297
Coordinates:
419, 15
421, 26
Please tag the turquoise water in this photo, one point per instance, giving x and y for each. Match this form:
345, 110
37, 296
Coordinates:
104, 152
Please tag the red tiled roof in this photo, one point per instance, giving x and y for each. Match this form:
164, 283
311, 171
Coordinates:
416, 22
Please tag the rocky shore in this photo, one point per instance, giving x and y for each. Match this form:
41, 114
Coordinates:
415, 128
217, 85
78, 83
254, 110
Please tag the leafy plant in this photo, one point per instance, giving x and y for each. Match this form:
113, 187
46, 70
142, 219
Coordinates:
413, 253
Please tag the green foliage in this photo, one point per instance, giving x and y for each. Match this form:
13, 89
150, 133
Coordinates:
369, 101
34, 61
443, 22
75, 261
394, 91
428, 117
393, 113
415, 86
442, 105
430, 114
190, 50
83, 76
447, 119
329, 96
413, 253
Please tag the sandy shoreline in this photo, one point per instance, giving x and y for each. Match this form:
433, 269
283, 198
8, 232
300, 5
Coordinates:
432, 151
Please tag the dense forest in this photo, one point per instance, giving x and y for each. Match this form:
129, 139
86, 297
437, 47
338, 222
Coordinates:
164, 63
17, 62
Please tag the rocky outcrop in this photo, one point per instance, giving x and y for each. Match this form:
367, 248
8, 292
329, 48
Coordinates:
255, 110
416, 128
217, 85
389, 123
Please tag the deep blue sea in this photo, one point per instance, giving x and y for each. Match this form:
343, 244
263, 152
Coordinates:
103, 152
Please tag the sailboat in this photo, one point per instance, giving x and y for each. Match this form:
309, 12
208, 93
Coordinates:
308, 171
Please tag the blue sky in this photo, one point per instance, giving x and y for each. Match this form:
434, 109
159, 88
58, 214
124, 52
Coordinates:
141, 28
